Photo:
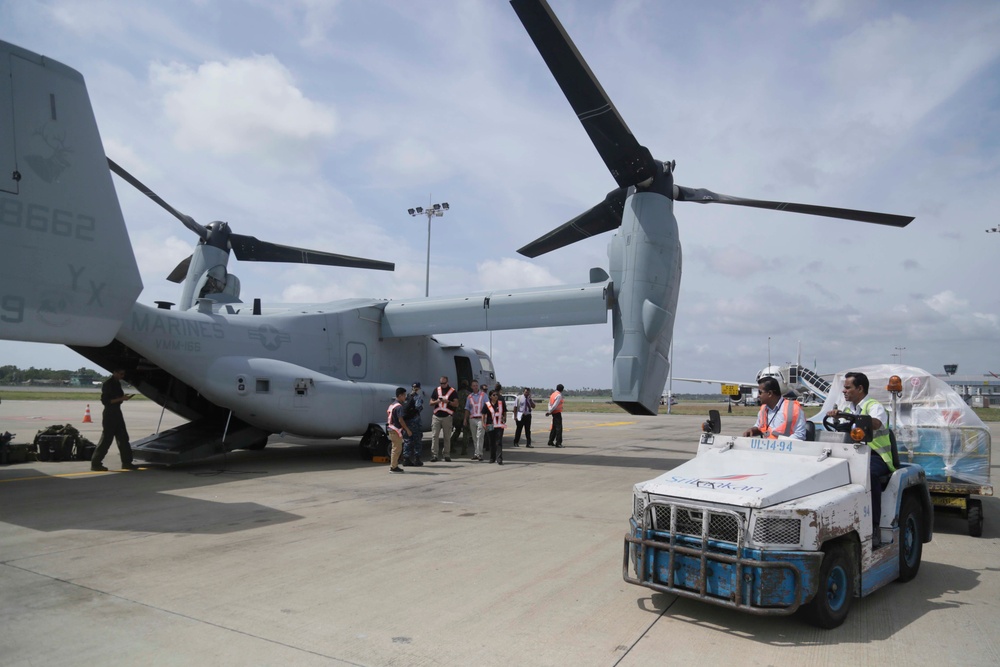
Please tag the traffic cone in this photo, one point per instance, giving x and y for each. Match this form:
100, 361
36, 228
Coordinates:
86, 416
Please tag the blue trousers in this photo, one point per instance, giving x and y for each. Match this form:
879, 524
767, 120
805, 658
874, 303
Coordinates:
413, 446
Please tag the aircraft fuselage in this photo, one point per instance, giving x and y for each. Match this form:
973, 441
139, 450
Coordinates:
322, 371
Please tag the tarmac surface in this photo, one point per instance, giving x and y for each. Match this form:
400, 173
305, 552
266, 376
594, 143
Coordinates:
303, 554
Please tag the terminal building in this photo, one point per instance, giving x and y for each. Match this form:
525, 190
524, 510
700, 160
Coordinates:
979, 391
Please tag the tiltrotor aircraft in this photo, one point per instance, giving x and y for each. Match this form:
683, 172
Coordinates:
240, 372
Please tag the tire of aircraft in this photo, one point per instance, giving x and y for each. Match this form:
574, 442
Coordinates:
374, 443
260, 444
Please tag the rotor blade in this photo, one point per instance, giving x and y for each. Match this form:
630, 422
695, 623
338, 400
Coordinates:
180, 271
601, 218
703, 196
138, 185
628, 161
251, 249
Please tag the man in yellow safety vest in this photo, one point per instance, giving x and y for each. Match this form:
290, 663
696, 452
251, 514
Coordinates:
857, 402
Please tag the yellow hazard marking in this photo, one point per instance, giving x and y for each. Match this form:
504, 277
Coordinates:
67, 474
575, 428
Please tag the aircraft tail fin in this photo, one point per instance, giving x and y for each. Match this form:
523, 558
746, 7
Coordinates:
67, 273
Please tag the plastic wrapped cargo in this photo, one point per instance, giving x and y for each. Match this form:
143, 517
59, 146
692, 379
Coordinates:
934, 427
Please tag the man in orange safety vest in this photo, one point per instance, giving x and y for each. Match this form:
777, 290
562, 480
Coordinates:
778, 415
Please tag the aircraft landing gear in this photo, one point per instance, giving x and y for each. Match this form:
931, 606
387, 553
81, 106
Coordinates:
374, 443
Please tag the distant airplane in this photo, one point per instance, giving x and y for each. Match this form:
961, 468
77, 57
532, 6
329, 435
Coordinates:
795, 380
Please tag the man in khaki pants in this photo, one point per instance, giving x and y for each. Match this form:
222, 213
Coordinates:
396, 426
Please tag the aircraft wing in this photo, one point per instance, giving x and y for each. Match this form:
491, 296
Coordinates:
739, 383
558, 306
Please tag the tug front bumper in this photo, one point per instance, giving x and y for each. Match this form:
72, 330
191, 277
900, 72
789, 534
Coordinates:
727, 574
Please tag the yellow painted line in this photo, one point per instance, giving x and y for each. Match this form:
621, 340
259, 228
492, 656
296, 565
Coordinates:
67, 474
576, 428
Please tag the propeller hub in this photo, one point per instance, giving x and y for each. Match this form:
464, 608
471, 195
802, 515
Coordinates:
218, 235
662, 182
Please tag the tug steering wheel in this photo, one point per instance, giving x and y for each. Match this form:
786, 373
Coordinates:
847, 423
842, 423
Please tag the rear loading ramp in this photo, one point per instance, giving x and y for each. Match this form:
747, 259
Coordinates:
198, 440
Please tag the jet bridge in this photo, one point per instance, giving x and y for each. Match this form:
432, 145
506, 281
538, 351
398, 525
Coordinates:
806, 378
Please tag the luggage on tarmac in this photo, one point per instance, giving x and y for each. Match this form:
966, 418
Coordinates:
62, 443
14, 452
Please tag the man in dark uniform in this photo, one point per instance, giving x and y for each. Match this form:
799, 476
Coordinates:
413, 445
460, 423
556, 409
113, 423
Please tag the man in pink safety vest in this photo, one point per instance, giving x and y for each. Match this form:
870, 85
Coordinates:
495, 420
443, 404
396, 426
474, 406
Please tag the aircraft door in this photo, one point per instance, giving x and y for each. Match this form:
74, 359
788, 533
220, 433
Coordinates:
463, 370
357, 360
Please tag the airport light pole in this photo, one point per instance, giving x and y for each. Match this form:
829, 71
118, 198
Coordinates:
899, 353
432, 211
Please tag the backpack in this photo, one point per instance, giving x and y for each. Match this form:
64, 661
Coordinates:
411, 411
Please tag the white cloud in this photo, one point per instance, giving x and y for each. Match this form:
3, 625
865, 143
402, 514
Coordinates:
510, 273
819, 11
100, 17
732, 261
243, 106
890, 73
946, 303
412, 159
318, 16
158, 255
364, 109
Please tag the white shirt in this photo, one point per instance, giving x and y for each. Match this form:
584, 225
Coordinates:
875, 412
521, 407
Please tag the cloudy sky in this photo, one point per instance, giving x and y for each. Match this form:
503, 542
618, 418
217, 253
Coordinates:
318, 123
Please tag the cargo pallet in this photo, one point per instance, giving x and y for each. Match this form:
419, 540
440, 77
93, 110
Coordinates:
952, 457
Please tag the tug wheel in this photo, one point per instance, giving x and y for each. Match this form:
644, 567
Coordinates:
829, 608
911, 543
975, 517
